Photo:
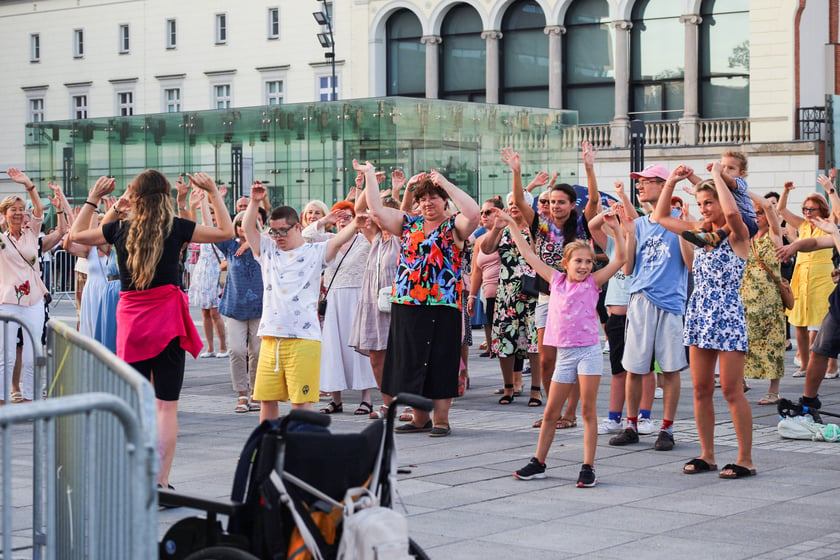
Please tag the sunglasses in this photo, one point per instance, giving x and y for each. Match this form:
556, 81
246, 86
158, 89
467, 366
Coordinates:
486, 213
542, 200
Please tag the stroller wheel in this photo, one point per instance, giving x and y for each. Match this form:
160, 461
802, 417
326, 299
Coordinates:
415, 551
221, 553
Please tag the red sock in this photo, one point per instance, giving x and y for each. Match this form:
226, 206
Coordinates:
667, 424
632, 421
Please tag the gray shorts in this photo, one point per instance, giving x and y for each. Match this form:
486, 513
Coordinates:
579, 360
541, 315
652, 332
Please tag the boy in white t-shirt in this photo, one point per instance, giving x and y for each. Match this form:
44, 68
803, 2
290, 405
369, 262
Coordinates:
290, 353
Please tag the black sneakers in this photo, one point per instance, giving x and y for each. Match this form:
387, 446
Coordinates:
586, 478
664, 442
534, 469
626, 437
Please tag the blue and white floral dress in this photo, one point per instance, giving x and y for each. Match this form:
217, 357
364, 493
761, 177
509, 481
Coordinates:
714, 319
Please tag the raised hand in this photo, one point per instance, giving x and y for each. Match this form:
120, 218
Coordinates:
502, 218
123, 203
103, 187
362, 167
360, 181
827, 226
55, 188
689, 189
512, 159
196, 196
588, 154
19, 176
183, 187
826, 182
540, 179
681, 172
397, 179
203, 181
619, 188
258, 192
439, 179
415, 179
223, 190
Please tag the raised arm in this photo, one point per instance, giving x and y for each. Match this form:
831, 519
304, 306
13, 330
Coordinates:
545, 271
20, 177
512, 159
611, 223
345, 235
788, 216
739, 239
468, 210
629, 210
81, 231
540, 179
389, 219
662, 212
182, 200
593, 204
223, 230
597, 230
827, 183
774, 222
249, 221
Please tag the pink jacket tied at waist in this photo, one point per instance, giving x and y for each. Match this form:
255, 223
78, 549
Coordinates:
147, 320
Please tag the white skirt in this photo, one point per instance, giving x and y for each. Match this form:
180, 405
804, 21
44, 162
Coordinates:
342, 368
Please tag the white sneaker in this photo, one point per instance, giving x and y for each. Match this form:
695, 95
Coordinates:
797, 362
609, 426
607, 347
799, 373
223, 354
645, 426
658, 393
207, 355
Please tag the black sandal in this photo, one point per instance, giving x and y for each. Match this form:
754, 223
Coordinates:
332, 408
532, 402
365, 408
507, 399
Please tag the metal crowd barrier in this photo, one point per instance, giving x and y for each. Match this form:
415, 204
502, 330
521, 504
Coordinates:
93, 457
62, 276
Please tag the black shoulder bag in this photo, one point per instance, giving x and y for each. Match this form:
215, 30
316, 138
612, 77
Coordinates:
322, 304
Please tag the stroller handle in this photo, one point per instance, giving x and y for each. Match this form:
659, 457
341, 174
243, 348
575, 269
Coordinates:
307, 417
414, 401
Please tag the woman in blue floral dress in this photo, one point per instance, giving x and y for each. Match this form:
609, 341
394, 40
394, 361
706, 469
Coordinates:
715, 328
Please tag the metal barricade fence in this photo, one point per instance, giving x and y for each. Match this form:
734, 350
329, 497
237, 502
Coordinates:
94, 456
62, 278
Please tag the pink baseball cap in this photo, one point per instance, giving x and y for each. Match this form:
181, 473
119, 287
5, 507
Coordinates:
655, 171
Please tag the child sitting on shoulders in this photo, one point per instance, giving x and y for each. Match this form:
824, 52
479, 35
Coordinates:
733, 174
573, 329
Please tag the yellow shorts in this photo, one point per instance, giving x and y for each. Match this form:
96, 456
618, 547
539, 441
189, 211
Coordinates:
289, 369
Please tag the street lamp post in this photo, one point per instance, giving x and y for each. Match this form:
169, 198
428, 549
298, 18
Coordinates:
327, 40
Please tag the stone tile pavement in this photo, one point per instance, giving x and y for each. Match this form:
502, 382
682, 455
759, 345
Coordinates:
464, 503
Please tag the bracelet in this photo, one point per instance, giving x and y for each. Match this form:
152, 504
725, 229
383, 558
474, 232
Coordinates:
62, 212
32, 188
472, 297
95, 206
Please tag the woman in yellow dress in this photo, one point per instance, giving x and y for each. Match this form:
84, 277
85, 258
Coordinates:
811, 283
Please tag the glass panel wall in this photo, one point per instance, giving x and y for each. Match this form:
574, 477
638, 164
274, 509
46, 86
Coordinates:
725, 59
305, 151
406, 55
524, 56
462, 56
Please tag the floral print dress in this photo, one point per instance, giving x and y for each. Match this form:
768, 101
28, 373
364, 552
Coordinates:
514, 329
765, 314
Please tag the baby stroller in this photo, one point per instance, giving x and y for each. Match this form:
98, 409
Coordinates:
288, 489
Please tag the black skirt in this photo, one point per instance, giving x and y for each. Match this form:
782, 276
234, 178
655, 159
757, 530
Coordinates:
424, 351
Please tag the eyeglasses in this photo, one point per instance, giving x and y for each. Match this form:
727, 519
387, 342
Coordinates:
486, 213
646, 181
810, 209
542, 200
759, 213
281, 232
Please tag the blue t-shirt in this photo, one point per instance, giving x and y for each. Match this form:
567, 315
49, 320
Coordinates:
742, 198
660, 273
242, 298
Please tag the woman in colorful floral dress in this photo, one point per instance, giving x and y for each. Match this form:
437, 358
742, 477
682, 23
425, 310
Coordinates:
424, 342
514, 329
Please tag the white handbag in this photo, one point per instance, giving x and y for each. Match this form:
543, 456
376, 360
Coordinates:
383, 296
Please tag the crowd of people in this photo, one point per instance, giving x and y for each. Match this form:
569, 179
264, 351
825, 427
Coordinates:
378, 291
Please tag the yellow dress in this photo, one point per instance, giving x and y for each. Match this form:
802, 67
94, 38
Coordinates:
811, 283
765, 314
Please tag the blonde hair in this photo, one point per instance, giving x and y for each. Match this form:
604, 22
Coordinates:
317, 204
740, 156
577, 245
150, 225
9, 201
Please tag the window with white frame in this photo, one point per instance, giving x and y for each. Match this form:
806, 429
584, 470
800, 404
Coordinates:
79, 105
274, 23
124, 39
274, 92
35, 47
172, 100
125, 103
221, 29
78, 43
171, 34
221, 96
36, 109
325, 88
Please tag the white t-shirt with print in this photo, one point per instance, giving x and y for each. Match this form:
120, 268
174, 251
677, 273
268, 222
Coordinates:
291, 285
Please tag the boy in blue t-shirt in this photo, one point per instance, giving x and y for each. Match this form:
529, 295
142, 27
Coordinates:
734, 170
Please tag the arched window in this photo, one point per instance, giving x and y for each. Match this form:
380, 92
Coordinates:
588, 62
657, 60
524, 56
463, 55
406, 55
725, 59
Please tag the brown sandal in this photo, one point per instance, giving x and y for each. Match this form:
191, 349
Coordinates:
565, 423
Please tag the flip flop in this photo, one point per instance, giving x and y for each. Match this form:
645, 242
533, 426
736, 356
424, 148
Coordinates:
698, 465
735, 471
411, 428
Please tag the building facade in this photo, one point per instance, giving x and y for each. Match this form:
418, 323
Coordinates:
702, 75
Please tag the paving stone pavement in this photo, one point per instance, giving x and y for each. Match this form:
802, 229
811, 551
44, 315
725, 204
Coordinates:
463, 502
